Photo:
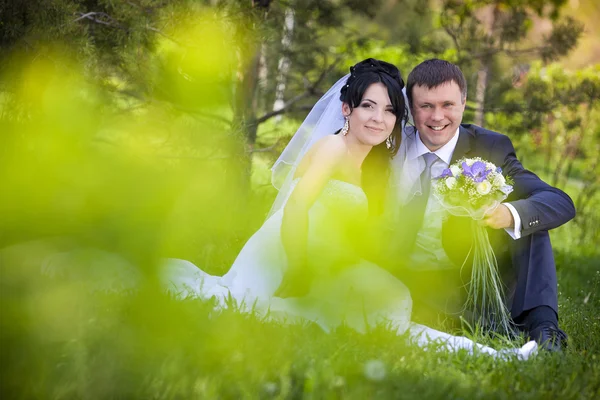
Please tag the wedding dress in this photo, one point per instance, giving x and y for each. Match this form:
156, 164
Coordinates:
346, 289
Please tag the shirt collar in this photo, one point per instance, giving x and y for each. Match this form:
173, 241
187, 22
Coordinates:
444, 153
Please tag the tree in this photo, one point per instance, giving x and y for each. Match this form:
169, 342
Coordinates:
482, 31
555, 115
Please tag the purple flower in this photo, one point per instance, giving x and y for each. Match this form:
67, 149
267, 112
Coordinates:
477, 171
445, 173
499, 170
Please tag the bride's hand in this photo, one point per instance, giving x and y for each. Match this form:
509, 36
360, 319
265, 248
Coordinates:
295, 283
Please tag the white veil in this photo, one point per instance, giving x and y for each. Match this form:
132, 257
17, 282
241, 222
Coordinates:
324, 119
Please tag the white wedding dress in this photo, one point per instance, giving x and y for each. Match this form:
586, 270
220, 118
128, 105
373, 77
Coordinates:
346, 289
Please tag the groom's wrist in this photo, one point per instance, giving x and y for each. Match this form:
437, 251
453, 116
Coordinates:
515, 230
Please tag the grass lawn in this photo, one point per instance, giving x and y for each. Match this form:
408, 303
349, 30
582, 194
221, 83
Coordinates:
60, 342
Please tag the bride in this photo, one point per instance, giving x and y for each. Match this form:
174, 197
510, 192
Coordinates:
306, 261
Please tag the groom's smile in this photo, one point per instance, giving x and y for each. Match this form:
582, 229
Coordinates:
437, 113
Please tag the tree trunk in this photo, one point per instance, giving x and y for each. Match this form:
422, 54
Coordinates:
244, 121
484, 68
263, 71
482, 81
550, 136
246, 99
284, 61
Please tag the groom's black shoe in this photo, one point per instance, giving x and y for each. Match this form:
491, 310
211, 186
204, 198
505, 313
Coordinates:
541, 325
549, 337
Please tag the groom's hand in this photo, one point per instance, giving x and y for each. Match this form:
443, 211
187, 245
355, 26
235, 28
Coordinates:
500, 218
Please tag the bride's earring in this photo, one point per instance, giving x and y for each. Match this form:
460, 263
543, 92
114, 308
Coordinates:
345, 128
388, 142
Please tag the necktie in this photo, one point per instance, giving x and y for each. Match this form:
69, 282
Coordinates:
415, 209
429, 158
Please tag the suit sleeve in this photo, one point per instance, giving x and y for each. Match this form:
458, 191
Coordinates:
540, 206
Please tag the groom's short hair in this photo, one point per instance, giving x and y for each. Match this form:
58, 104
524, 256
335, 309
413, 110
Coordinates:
433, 73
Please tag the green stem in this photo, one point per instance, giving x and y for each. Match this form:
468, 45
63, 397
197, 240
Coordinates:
485, 292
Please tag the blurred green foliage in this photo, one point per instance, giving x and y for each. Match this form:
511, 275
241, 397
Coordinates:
554, 117
128, 175
132, 131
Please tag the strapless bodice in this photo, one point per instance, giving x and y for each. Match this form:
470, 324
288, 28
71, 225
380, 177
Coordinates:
336, 223
341, 199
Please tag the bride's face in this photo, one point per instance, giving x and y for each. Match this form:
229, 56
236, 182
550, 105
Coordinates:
373, 120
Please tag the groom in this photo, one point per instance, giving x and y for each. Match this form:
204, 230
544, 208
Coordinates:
438, 244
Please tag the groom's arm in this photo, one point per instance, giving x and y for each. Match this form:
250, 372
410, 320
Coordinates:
539, 205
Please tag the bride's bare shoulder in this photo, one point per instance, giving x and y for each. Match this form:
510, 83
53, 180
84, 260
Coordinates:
327, 150
330, 145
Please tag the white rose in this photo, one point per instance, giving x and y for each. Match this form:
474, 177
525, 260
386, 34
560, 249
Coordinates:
455, 169
489, 165
450, 182
484, 187
499, 180
470, 161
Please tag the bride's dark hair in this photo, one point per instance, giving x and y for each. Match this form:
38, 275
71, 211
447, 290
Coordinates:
376, 167
368, 72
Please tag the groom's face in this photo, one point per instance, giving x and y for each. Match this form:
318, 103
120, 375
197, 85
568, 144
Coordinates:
437, 113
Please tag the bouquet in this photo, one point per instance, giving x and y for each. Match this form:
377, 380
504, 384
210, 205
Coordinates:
473, 187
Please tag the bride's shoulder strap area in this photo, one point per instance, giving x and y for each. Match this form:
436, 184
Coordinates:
326, 152
331, 143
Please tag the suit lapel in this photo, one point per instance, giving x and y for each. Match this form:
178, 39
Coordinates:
463, 146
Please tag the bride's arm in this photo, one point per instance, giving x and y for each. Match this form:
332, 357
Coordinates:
324, 160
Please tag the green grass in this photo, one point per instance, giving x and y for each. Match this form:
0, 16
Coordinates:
61, 342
